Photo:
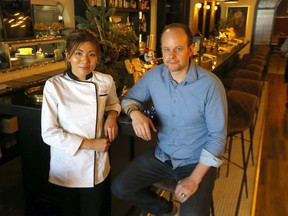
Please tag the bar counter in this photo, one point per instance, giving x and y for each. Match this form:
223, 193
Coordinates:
226, 58
35, 155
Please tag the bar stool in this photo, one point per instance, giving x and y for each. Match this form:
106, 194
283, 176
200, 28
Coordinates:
263, 49
255, 68
251, 55
244, 73
253, 87
253, 64
241, 111
255, 58
249, 86
169, 185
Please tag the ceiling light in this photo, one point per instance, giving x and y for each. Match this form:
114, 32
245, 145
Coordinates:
231, 1
199, 5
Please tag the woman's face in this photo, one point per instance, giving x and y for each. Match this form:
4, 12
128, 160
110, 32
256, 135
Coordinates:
83, 60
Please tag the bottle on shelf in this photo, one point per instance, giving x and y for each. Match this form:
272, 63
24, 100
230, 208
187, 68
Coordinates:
126, 4
198, 43
92, 3
140, 24
128, 24
111, 3
143, 4
98, 3
144, 24
133, 4
147, 5
120, 4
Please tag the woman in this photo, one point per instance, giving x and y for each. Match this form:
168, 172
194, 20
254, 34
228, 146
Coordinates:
73, 108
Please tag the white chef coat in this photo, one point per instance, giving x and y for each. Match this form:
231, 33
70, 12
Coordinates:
71, 111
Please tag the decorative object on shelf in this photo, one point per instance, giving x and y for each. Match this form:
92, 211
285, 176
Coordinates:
118, 42
138, 68
198, 43
119, 73
55, 30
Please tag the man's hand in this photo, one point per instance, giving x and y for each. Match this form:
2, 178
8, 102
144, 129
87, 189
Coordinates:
185, 188
141, 125
189, 185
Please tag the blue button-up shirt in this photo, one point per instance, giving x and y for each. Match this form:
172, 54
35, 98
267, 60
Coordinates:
192, 115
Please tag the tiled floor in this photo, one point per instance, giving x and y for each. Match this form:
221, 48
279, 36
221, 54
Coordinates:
227, 189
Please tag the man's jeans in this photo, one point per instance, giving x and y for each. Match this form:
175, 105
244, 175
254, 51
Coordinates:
132, 184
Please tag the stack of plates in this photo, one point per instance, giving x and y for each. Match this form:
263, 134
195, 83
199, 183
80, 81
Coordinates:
26, 58
15, 62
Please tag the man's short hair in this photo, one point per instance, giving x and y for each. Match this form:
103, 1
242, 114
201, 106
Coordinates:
185, 28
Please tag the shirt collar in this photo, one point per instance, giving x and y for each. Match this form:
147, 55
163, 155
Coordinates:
72, 76
191, 76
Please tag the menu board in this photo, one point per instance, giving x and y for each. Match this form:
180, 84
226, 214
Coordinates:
16, 18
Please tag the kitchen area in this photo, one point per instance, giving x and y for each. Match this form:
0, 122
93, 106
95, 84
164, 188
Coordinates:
29, 55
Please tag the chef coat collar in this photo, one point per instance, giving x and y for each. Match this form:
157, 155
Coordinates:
72, 76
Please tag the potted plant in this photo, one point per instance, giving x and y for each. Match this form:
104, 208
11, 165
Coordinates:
118, 42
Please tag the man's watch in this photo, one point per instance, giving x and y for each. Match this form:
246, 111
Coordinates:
130, 110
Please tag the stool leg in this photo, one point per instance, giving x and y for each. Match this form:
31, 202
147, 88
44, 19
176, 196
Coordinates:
244, 164
229, 154
212, 210
251, 131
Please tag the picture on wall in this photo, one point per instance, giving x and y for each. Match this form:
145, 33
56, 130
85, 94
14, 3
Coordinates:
238, 19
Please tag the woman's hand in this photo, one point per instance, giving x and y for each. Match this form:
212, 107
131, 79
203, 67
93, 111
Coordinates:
99, 145
110, 126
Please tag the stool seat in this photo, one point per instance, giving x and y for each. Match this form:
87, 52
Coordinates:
254, 67
168, 185
244, 73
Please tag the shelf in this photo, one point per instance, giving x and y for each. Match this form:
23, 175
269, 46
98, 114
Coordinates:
131, 10
32, 42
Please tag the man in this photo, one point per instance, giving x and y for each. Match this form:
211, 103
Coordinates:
191, 108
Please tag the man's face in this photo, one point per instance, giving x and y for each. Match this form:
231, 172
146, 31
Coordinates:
175, 50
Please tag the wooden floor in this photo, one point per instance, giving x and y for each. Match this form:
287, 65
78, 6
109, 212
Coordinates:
272, 195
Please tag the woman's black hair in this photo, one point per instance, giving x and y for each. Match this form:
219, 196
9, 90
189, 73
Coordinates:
78, 36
